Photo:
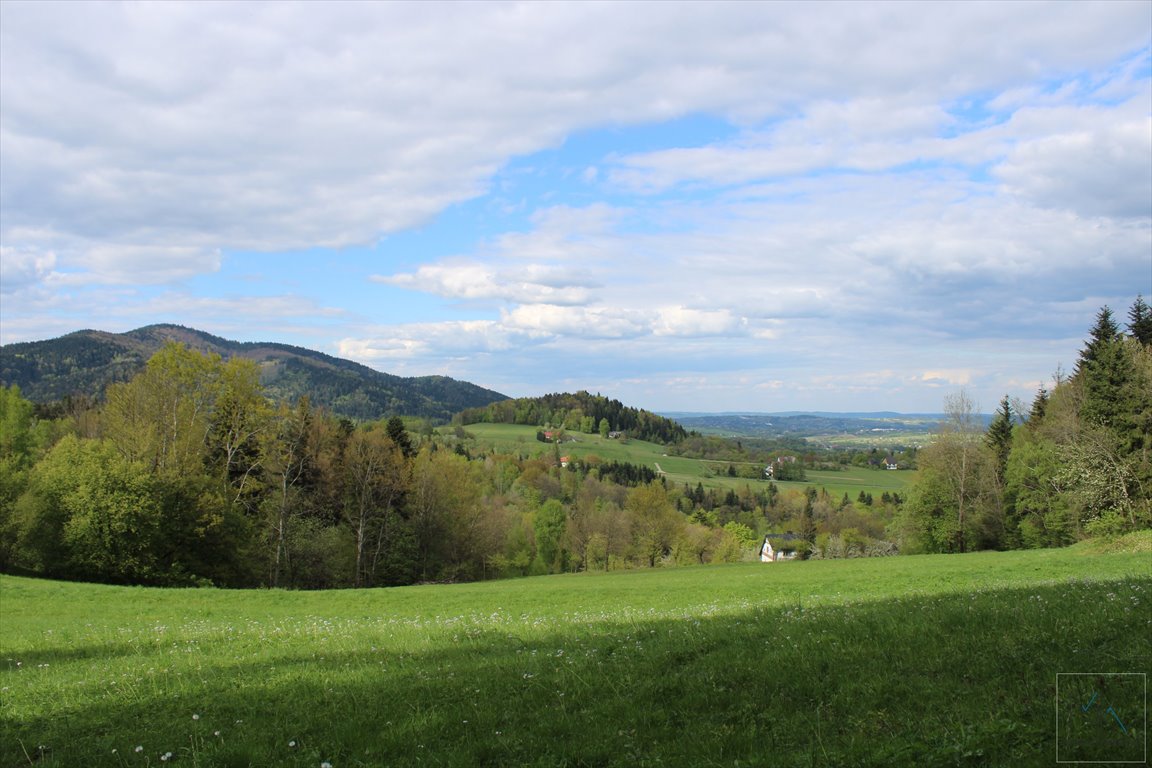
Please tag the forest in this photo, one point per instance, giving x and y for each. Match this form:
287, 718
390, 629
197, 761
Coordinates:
1076, 463
582, 412
191, 474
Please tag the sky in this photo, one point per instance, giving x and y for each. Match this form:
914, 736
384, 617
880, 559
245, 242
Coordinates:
685, 206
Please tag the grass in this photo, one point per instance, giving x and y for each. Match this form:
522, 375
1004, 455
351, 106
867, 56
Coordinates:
941, 660
516, 439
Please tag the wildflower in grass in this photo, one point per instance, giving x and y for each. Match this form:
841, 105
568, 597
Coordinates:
292, 744
139, 748
195, 717
325, 764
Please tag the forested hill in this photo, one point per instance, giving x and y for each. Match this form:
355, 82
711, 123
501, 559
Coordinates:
577, 412
84, 363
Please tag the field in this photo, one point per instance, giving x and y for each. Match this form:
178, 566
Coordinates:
925, 660
508, 438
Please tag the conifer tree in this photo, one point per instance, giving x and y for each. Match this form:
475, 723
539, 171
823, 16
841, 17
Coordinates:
999, 435
1103, 333
1140, 322
396, 431
1039, 407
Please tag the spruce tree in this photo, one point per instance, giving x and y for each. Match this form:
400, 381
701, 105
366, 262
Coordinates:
396, 431
1140, 322
1103, 333
1039, 408
1107, 376
999, 435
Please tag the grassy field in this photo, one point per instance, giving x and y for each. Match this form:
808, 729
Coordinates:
928, 660
510, 438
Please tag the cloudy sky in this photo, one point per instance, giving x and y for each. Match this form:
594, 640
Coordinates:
686, 206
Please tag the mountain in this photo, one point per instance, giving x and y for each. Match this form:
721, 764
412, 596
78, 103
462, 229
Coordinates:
86, 362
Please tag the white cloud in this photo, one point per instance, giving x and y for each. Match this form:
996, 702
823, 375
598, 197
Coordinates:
20, 268
1101, 172
576, 322
283, 126
684, 322
952, 377
897, 178
476, 281
437, 340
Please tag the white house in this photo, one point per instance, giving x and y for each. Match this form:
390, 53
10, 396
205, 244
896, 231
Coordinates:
787, 547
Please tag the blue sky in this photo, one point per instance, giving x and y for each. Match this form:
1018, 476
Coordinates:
686, 206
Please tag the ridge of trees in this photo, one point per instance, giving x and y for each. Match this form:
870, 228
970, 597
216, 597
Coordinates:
577, 412
1077, 462
189, 473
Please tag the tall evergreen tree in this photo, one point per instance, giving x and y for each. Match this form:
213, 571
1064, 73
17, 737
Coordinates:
1103, 333
1140, 321
400, 437
1039, 408
999, 435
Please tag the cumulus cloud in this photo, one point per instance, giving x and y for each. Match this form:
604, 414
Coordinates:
886, 170
682, 321
478, 281
21, 268
576, 322
446, 339
1101, 172
280, 127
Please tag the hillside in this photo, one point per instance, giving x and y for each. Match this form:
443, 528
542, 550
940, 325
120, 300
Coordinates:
927, 660
682, 470
577, 412
86, 362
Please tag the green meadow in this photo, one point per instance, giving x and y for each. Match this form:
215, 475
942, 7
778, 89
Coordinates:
917, 660
521, 440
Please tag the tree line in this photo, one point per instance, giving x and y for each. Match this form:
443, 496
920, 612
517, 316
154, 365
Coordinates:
1074, 463
577, 412
189, 474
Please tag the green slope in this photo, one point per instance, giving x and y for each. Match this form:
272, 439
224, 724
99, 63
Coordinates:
520, 440
930, 660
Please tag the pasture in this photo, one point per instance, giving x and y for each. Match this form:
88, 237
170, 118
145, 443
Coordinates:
919, 660
521, 440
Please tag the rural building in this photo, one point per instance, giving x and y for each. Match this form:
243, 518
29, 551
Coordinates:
785, 547
770, 470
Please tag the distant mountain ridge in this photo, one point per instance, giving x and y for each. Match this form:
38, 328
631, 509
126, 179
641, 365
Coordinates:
86, 362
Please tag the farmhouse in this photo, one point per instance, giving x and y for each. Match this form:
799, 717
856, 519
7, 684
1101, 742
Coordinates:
784, 548
770, 470
891, 463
